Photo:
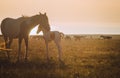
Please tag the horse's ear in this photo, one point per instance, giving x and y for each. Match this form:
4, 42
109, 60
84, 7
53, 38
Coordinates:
45, 13
22, 15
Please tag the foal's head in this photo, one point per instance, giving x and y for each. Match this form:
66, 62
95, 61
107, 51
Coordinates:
41, 28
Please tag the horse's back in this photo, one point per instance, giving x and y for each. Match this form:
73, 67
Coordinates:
57, 35
10, 27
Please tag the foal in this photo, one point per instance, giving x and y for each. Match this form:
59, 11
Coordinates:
52, 36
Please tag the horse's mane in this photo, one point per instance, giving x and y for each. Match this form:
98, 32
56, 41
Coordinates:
25, 16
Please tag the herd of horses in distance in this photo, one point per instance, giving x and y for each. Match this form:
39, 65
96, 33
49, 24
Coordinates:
20, 28
74, 37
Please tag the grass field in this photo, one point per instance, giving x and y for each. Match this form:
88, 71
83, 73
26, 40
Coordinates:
87, 58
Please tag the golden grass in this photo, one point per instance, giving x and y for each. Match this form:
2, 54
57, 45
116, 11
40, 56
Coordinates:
87, 58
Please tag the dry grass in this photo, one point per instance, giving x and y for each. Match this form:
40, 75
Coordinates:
87, 58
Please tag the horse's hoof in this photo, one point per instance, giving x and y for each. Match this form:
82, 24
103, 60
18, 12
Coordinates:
26, 59
62, 64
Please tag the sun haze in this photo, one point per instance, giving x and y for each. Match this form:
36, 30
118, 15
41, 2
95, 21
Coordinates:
69, 16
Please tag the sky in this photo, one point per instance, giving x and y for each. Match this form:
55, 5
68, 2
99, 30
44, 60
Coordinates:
69, 16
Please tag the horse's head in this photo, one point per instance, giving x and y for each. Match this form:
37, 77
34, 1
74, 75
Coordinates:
41, 28
44, 22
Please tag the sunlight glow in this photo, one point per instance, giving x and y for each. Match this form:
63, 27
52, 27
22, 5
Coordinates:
82, 28
34, 30
73, 17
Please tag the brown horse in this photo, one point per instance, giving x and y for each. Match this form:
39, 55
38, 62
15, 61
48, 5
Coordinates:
20, 28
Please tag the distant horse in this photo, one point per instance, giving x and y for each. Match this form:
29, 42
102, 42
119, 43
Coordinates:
105, 37
78, 37
52, 36
20, 28
68, 37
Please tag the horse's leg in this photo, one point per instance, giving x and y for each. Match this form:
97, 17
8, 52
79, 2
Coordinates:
8, 46
59, 49
6, 42
26, 43
19, 50
46, 42
10, 42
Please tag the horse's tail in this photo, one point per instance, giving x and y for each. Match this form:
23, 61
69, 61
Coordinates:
2, 26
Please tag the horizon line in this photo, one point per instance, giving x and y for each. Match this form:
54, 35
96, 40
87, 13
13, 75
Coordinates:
79, 34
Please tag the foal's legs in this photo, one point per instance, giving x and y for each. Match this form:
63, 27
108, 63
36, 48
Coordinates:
59, 49
46, 42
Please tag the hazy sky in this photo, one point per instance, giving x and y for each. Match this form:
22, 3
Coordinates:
69, 16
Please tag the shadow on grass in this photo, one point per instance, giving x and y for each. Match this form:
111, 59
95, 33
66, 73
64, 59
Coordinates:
32, 64
101, 66
30, 69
